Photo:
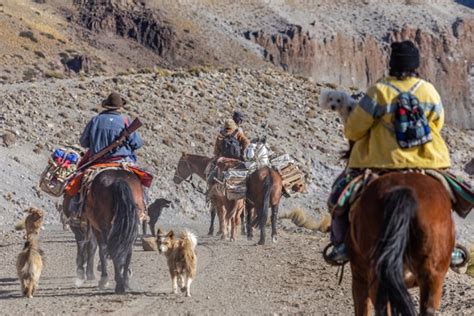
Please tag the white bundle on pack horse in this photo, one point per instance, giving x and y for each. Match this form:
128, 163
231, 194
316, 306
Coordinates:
261, 181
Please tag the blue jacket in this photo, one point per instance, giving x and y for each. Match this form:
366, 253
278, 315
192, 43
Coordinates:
104, 129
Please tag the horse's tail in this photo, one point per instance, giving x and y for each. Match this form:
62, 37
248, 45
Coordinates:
400, 206
262, 215
124, 229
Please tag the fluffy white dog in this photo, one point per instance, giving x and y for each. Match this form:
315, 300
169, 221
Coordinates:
338, 101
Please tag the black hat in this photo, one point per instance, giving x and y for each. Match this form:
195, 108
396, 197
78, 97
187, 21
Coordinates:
237, 117
405, 56
114, 101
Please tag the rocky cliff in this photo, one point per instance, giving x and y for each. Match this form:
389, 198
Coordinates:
359, 61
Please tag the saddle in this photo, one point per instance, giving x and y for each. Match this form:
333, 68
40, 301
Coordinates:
350, 185
75, 184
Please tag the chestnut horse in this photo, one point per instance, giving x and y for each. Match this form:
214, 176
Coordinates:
264, 190
188, 165
401, 235
111, 207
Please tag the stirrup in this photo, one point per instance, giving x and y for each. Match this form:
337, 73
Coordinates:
467, 257
328, 260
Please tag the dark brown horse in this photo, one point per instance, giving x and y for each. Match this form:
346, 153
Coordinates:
401, 235
112, 204
188, 165
86, 245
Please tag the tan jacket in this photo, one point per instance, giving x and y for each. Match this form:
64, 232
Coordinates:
243, 140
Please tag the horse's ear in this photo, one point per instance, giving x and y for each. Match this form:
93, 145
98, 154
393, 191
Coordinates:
170, 234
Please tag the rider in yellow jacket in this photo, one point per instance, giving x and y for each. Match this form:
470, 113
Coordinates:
370, 127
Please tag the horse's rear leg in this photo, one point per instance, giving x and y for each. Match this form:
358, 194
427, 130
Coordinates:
248, 212
431, 287
242, 222
213, 217
360, 295
119, 273
274, 222
81, 255
104, 278
91, 250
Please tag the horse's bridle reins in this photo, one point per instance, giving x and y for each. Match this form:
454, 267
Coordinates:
189, 178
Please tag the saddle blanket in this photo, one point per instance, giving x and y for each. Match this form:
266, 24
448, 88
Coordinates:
349, 185
75, 184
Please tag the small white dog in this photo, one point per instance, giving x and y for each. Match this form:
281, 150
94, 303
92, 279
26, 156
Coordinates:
338, 101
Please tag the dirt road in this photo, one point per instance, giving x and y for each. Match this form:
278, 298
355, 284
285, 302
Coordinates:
233, 278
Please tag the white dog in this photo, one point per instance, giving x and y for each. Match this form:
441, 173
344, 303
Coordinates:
338, 101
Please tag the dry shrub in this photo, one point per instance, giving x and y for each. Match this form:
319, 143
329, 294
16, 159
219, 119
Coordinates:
470, 266
299, 218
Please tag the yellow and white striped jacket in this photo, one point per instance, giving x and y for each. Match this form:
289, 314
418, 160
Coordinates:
370, 127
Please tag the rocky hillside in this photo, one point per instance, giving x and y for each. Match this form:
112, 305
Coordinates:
182, 112
341, 42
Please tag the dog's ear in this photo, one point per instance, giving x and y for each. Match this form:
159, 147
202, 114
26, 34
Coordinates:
159, 232
170, 234
323, 98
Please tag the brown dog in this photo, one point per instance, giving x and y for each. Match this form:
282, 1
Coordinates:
32, 223
29, 265
181, 258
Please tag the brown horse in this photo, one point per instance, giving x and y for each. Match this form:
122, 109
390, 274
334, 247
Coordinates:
188, 165
86, 245
112, 204
264, 190
401, 235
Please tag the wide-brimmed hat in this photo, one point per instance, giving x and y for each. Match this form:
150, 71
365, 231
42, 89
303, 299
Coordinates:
404, 56
114, 101
230, 125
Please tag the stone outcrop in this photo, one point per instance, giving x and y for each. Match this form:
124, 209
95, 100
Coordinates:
359, 61
128, 19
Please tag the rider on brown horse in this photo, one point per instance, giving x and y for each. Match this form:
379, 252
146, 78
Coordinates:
376, 127
103, 130
230, 143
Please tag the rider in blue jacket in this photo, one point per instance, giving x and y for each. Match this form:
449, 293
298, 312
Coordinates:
105, 128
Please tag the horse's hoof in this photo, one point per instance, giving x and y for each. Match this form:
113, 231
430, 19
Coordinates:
232, 239
91, 277
249, 237
219, 233
210, 233
261, 242
119, 289
103, 284
274, 239
222, 237
78, 282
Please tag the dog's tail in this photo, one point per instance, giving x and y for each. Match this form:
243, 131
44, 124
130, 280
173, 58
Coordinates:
189, 240
189, 244
20, 225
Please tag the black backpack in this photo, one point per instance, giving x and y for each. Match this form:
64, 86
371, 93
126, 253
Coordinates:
230, 146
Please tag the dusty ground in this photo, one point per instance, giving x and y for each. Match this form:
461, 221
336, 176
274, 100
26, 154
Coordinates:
232, 279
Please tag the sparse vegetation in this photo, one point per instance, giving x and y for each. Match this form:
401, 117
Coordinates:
54, 74
48, 35
29, 75
29, 35
40, 54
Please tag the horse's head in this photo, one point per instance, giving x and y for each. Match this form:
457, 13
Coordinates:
183, 171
